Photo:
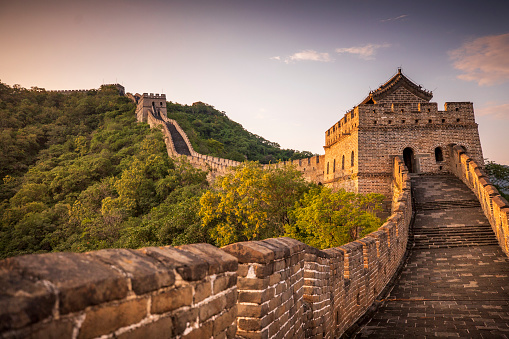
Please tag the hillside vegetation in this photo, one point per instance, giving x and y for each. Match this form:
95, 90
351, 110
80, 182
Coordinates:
211, 132
79, 173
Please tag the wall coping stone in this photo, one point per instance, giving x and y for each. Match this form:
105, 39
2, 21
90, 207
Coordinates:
79, 280
219, 261
146, 274
250, 252
188, 265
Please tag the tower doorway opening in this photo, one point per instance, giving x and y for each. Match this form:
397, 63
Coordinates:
408, 157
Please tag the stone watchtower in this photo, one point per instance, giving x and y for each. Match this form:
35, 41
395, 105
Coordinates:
396, 119
154, 102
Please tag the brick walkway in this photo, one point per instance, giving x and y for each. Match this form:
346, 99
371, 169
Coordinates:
456, 280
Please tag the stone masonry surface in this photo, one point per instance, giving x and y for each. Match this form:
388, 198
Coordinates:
275, 288
453, 284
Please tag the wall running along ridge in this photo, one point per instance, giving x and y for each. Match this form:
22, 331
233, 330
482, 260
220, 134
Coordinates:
275, 288
495, 207
311, 168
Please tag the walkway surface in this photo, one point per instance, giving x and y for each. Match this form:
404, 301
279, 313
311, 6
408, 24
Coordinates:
456, 280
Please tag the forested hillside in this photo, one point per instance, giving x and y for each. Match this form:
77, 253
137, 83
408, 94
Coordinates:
212, 132
79, 173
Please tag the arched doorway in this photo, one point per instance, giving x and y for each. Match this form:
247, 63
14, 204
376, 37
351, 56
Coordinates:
439, 154
408, 157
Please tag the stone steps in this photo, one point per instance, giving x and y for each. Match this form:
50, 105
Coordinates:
440, 205
448, 213
178, 141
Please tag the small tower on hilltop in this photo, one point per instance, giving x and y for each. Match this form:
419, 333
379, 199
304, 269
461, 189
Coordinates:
154, 103
396, 119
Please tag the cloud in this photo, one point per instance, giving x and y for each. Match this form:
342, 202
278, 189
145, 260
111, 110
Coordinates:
499, 112
307, 55
484, 60
366, 52
395, 18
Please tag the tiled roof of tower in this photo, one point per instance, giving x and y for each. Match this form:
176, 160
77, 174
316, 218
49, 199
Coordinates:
394, 83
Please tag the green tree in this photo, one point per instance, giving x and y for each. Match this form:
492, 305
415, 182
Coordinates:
499, 175
251, 203
325, 219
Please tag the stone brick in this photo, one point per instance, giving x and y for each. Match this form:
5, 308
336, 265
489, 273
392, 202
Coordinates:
219, 261
81, 280
188, 265
56, 329
250, 324
201, 291
146, 274
183, 319
226, 319
252, 283
231, 298
211, 308
280, 250
252, 311
160, 328
253, 335
222, 283
204, 331
231, 330
250, 252
101, 320
172, 299
23, 302
260, 271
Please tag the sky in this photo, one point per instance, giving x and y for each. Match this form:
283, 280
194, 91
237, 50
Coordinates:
285, 70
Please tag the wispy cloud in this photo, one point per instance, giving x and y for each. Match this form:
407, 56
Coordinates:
306, 55
499, 112
485, 60
395, 18
366, 52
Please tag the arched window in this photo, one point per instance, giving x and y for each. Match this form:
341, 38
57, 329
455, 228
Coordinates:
327, 167
343, 163
352, 160
439, 155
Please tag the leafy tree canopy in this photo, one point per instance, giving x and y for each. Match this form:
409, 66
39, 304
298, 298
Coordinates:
499, 175
325, 219
251, 203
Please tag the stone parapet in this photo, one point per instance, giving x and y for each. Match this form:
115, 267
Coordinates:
495, 207
275, 288
153, 292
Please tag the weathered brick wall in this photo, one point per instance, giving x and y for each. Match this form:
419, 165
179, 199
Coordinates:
270, 280
402, 96
275, 288
338, 169
312, 168
495, 207
154, 292
341, 283
385, 132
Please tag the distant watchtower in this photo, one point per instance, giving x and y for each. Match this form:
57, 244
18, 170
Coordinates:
396, 119
156, 103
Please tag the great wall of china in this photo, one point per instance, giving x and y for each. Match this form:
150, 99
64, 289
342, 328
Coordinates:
275, 288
